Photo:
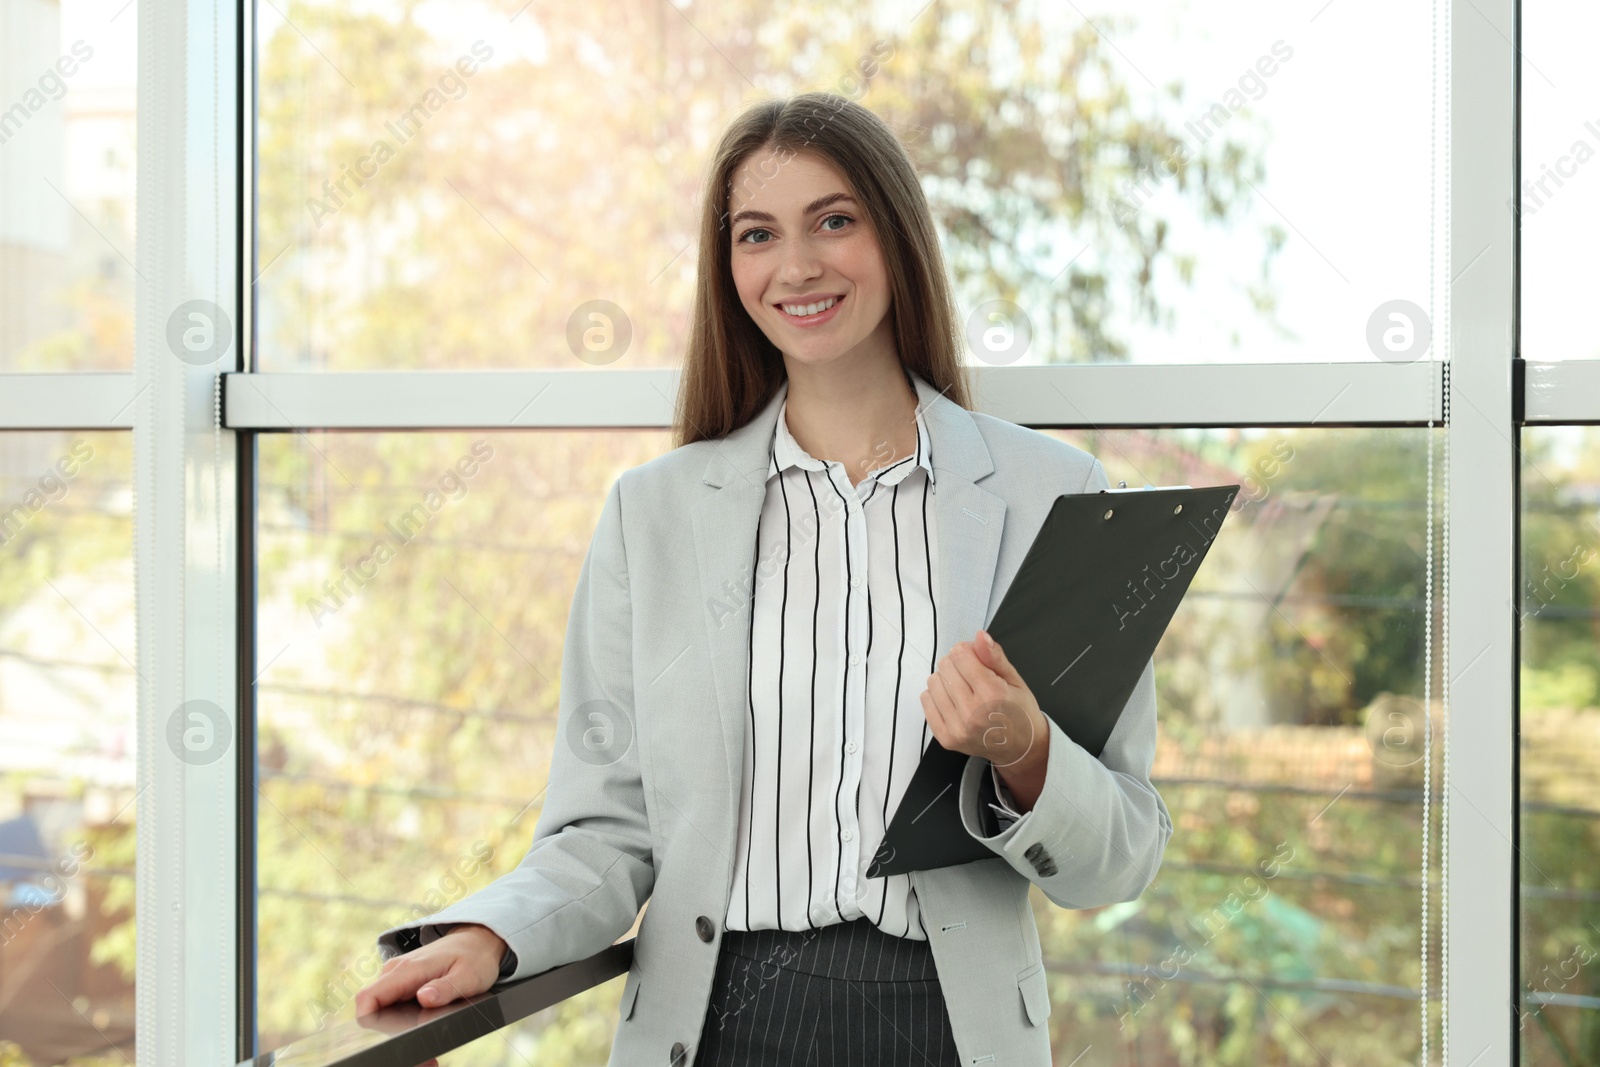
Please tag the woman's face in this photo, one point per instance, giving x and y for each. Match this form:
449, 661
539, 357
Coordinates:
800, 240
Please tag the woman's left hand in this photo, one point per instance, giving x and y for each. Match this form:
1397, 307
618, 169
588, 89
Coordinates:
977, 703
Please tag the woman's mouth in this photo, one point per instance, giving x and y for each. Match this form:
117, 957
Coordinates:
813, 313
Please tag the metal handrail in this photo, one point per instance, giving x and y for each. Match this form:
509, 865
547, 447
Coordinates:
406, 1034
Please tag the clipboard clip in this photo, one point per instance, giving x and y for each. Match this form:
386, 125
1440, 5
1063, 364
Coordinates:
1122, 487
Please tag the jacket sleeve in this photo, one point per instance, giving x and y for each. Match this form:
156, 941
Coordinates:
1098, 830
589, 869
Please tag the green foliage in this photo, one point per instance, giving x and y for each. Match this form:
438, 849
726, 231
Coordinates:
114, 847
474, 248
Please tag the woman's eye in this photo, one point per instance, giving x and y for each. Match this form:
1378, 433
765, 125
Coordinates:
745, 238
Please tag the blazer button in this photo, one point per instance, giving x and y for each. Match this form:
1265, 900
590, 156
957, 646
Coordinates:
1032, 852
703, 927
677, 1054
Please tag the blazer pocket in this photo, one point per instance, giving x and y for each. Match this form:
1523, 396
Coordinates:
1035, 992
630, 992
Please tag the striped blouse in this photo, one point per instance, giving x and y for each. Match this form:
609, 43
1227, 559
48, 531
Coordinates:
842, 640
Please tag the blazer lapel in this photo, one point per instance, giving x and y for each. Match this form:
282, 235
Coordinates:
970, 519
969, 523
725, 548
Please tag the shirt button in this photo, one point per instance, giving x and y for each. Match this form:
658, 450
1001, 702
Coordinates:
848, 836
854, 659
849, 746
856, 583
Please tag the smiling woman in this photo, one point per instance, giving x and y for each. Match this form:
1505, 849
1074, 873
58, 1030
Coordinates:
824, 354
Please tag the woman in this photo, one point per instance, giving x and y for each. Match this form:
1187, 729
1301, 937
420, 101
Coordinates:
772, 622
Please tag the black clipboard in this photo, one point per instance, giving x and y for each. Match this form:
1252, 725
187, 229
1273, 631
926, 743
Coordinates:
1080, 620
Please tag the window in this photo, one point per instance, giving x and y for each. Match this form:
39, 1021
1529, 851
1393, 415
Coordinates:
1165, 194
67, 102
1558, 202
1558, 213
1290, 691
67, 766
1559, 1016
414, 596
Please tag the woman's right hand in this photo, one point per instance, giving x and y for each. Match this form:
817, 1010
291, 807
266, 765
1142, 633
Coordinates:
462, 963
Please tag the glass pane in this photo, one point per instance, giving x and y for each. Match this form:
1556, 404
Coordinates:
407, 721
1145, 181
1560, 196
67, 185
1285, 924
1560, 746
68, 709
408, 695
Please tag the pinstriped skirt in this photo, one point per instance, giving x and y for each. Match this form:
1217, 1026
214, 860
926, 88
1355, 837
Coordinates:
846, 993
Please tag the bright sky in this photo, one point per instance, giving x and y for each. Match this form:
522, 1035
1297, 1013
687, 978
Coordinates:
111, 28
1561, 124
1343, 128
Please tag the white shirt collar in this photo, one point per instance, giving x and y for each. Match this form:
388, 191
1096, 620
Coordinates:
786, 452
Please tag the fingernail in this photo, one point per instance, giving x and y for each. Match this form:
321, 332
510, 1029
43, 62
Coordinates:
426, 992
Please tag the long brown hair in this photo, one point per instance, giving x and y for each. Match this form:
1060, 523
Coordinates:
731, 370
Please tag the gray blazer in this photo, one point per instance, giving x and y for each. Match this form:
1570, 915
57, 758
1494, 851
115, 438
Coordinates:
643, 797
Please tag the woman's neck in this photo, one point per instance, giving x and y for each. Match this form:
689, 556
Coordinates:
862, 414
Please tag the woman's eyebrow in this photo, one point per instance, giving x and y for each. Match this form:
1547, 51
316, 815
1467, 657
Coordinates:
816, 205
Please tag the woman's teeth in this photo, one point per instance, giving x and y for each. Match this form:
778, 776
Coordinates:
803, 310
